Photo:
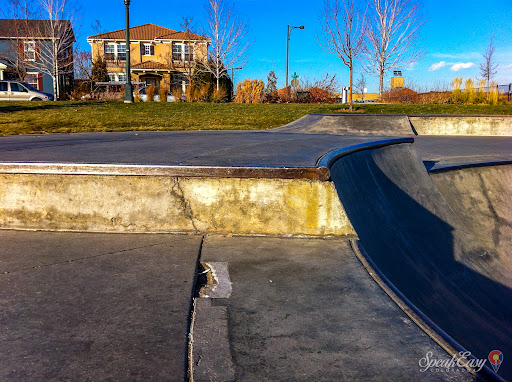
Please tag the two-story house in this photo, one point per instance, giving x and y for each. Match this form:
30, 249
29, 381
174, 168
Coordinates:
158, 55
38, 52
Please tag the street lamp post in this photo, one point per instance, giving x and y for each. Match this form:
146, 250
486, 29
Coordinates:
288, 30
128, 90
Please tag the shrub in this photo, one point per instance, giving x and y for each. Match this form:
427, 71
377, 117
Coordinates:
469, 92
219, 95
150, 91
249, 91
162, 93
456, 93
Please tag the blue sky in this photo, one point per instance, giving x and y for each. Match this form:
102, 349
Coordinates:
455, 35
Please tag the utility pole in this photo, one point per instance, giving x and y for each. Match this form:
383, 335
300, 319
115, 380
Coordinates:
288, 30
128, 90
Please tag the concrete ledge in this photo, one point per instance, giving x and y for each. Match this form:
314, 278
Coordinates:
499, 125
153, 170
99, 203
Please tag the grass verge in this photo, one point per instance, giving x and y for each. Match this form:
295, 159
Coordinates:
76, 117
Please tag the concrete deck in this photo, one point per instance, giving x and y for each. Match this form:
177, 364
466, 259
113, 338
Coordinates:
93, 307
227, 148
306, 310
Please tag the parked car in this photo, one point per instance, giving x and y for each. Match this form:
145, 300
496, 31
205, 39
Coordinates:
21, 91
105, 92
144, 97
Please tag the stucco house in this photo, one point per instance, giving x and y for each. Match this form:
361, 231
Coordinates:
158, 55
26, 48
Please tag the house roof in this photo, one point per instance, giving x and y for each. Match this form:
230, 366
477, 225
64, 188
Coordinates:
147, 32
181, 35
10, 28
150, 65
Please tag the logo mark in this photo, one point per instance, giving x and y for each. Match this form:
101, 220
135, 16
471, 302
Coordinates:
496, 359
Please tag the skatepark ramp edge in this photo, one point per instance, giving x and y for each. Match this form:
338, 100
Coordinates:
420, 246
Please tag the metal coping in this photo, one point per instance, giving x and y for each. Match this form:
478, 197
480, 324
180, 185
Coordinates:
469, 165
443, 339
328, 159
311, 173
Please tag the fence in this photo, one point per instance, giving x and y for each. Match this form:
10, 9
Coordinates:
503, 90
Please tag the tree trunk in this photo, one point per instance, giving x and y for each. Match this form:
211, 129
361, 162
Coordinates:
381, 85
351, 82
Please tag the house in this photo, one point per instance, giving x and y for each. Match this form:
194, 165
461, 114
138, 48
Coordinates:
158, 55
38, 52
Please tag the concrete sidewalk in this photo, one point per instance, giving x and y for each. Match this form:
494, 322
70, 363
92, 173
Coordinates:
95, 307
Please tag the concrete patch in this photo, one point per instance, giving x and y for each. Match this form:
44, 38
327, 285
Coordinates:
218, 283
212, 360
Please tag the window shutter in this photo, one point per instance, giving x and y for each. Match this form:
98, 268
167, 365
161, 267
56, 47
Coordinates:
39, 81
21, 50
104, 48
36, 50
152, 50
141, 46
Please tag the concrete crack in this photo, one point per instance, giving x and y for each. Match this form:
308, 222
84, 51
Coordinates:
85, 258
178, 193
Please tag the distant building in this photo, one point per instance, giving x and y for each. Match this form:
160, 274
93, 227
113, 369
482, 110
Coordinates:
23, 47
397, 81
159, 55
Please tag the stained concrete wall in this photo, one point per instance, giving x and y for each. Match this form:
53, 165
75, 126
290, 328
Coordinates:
462, 125
171, 204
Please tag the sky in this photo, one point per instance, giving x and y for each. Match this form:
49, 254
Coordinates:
454, 36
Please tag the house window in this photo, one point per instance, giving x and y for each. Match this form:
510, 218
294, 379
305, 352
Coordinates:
29, 49
121, 77
121, 52
149, 50
111, 76
189, 53
32, 80
110, 52
177, 52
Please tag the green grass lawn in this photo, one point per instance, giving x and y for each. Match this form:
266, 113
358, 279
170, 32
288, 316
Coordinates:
74, 117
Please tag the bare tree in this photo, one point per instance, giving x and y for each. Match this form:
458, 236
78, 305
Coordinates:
19, 12
187, 24
55, 55
393, 27
343, 27
361, 85
227, 32
489, 67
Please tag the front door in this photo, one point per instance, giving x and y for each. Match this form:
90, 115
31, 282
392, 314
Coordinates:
152, 80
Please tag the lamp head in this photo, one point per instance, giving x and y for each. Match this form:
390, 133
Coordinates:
301, 27
127, 2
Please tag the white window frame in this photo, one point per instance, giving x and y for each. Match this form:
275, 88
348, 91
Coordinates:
115, 49
147, 50
36, 76
119, 75
184, 51
29, 47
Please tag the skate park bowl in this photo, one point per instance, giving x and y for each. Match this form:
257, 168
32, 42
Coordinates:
439, 237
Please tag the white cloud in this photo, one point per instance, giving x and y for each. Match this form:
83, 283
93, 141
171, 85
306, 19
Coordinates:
505, 66
438, 66
461, 65
459, 56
